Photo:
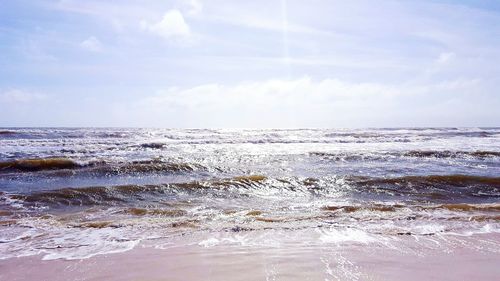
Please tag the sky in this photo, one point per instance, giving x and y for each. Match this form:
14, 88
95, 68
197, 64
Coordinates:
249, 64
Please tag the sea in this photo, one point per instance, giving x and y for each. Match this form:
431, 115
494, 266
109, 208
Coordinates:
74, 193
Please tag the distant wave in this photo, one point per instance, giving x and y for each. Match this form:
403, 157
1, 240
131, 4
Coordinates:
156, 145
451, 154
38, 164
7, 133
65, 167
431, 154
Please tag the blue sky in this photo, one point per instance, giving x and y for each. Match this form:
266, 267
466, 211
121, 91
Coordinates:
284, 63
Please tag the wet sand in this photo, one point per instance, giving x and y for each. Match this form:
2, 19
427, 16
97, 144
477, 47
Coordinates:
405, 260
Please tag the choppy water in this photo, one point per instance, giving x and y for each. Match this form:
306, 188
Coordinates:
74, 193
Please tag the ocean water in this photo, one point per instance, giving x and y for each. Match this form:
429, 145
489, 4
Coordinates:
78, 192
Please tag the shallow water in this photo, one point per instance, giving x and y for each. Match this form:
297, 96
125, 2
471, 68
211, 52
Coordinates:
76, 193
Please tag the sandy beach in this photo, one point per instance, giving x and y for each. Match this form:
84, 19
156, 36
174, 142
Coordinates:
408, 257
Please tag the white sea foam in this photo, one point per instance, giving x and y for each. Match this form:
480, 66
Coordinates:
346, 235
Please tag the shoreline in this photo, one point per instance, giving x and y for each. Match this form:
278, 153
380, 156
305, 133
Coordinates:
468, 259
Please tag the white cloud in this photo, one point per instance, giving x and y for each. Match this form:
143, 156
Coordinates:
445, 57
302, 102
20, 96
172, 26
92, 44
271, 93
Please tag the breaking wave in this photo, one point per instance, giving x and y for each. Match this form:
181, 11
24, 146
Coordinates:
445, 188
